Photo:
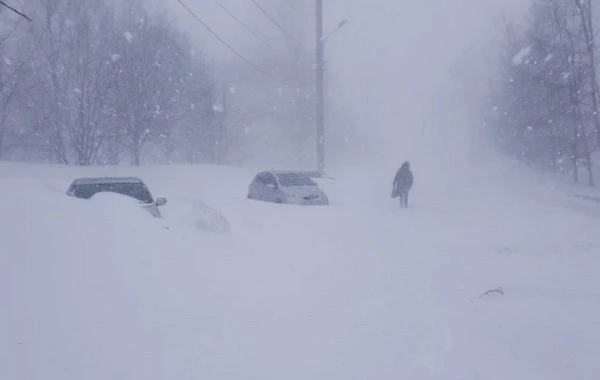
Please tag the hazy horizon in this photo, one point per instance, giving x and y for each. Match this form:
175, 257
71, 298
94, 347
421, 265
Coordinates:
391, 66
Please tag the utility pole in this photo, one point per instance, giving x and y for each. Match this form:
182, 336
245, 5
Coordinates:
320, 95
221, 132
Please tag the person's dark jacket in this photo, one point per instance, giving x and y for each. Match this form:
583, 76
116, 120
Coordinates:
404, 179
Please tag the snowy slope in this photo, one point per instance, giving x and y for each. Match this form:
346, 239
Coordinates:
99, 290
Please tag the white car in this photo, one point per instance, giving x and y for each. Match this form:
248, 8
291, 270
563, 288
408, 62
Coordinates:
286, 187
85, 188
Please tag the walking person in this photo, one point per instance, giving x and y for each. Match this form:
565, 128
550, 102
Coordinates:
403, 182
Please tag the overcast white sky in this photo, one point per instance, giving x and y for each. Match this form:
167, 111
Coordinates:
391, 59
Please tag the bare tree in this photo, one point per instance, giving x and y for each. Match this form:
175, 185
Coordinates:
548, 98
152, 61
83, 86
587, 27
94, 72
76, 75
15, 78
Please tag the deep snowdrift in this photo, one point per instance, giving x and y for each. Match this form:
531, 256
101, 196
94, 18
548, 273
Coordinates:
360, 289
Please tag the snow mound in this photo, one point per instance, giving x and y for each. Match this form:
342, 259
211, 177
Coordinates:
210, 220
111, 199
195, 213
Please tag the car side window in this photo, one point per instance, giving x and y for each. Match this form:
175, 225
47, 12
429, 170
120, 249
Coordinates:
260, 179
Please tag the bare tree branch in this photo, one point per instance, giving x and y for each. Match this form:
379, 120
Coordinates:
493, 291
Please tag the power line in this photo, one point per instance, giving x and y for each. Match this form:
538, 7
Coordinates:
14, 10
225, 43
245, 26
290, 4
276, 23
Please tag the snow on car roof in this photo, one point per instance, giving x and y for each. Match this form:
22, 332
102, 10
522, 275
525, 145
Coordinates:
99, 180
308, 173
299, 172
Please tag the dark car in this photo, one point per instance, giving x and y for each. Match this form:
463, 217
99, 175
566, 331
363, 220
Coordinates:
133, 187
286, 187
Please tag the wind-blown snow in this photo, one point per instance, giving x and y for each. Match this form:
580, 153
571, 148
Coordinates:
520, 57
360, 289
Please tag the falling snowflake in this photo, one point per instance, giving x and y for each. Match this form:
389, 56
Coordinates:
521, 56
115, 57
232, 89
128, 36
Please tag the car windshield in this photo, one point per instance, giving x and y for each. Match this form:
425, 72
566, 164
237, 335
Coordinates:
295, 179
134, 190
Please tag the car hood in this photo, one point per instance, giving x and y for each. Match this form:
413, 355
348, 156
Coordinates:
303, 191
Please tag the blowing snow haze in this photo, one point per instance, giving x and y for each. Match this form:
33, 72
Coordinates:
391, 70
453, 233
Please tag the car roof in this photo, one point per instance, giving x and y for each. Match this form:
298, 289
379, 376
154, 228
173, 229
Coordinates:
105, 180
309, 173
297, 172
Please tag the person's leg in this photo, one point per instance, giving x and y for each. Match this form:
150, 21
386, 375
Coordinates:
406, 199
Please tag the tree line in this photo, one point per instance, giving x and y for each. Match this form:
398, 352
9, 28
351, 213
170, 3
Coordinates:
90, 82
543, 107
87, 83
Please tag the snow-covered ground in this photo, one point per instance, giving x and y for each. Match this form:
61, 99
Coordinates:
228, 288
